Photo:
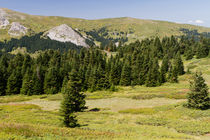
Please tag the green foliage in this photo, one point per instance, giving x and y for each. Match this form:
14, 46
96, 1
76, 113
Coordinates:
73, 100
51, 81
14, 82
153, 76
178, 64
133, 64
27, 85
126, 75
198, 97
145, 111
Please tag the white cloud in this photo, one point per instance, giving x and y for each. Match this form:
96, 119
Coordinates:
199, 21
190, 21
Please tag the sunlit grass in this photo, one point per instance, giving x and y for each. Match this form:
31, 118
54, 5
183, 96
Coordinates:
130, 113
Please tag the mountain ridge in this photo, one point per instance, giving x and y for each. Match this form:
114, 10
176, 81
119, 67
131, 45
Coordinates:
100, 31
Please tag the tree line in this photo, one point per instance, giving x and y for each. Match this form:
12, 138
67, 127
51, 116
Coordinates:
150, 62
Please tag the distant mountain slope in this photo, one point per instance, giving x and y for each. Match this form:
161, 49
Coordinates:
100, 31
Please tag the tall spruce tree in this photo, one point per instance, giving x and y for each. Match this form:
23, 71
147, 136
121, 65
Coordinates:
178, 63
3, 74
198, 97
173, 74
73, 100
27, 85
126, 75
51, 81
2, 84
164, 69
14, 82
153, 76
38, 80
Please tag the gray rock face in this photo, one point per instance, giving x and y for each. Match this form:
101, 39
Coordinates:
64, 33
3, 19
3, 23
17, 29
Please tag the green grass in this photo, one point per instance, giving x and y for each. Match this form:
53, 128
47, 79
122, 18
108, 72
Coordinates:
141, 28
130, 113
146, 111
15, 98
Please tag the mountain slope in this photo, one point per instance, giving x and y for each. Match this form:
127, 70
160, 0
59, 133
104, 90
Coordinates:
126, 29
64, 33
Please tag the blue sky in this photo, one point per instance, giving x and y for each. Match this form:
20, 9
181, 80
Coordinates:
181, 11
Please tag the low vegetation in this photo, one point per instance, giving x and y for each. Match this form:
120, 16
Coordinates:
141, 92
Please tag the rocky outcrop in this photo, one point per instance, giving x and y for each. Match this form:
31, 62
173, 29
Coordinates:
64, 33
17, 29
3, 23
3, 19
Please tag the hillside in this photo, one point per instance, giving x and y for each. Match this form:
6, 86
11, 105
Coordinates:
126, 29
131, 113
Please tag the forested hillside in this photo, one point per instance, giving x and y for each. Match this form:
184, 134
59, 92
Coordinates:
149, 62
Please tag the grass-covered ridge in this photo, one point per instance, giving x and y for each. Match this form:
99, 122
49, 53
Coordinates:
112, 28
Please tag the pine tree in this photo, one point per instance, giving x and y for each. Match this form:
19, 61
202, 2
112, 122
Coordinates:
173, 74
145, 68
189, 54
3, 75
73, 100
65, 81
103, 79
27, 85
202, 51
38, 80
2, 84
126, 75
14, 82
115, 72
178, 63
93, 79
51, 81
164, 69
198, 96
26, 63
153, 76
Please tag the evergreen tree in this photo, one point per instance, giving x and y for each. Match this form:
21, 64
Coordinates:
26, 63
65, 81
164, 69
93, 79
38, 81
3, 74
73, 100
14, 82
145, 68
178, 64
153, 76
198, 96
115, 72
27, 84
2, 84
202, 51
189, 54
51, 81
173, 74
126, 75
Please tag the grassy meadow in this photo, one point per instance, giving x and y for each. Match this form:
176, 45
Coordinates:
133, 28
129, 113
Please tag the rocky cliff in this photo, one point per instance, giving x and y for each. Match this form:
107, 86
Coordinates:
64, 33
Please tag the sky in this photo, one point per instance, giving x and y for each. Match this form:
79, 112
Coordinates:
181, 11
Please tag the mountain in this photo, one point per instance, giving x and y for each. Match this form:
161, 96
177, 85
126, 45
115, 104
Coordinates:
64, 33
15, 24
